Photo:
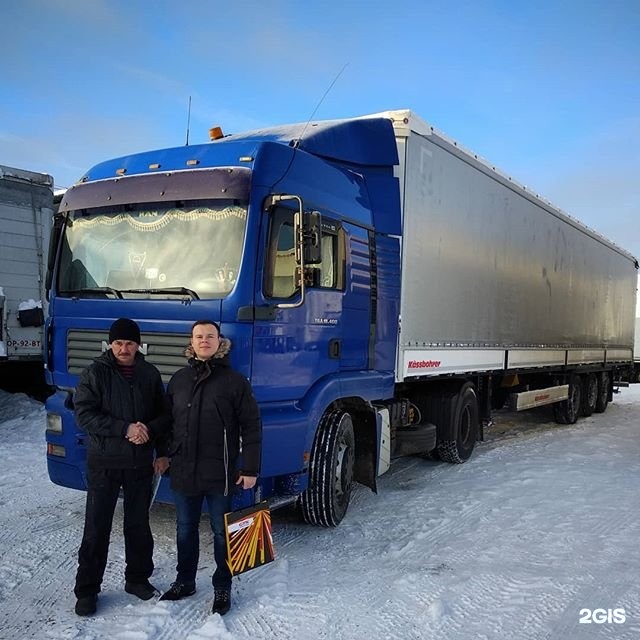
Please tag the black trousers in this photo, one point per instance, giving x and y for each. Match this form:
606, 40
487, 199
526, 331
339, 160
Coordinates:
102, 496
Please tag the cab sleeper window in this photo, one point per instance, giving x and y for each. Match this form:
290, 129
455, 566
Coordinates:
280, 272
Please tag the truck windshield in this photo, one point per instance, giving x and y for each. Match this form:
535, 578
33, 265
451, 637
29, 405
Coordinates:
139, 251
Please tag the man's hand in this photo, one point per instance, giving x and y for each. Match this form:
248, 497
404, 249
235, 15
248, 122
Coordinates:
137, 433
247, 482
161, 465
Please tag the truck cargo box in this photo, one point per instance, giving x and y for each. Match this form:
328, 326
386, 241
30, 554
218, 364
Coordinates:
495, 277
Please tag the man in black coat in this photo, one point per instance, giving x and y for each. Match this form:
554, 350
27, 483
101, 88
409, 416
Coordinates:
216, 424
120, 403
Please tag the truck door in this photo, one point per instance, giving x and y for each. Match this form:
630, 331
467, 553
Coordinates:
295, 347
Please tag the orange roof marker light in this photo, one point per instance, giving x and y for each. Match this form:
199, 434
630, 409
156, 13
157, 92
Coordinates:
215, 133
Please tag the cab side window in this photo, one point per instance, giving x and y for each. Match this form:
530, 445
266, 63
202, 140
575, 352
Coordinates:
280, 273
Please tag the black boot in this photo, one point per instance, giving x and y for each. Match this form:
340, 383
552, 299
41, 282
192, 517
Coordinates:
86, 606
179, 590
221, 601
143, 590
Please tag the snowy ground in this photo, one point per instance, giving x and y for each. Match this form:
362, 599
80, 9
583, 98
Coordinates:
542, 523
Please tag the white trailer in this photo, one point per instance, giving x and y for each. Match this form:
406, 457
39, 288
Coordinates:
26, 210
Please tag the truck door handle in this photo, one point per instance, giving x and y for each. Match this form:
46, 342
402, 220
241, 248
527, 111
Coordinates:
335, 347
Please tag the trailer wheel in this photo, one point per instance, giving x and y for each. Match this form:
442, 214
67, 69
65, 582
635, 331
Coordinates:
465, 423
589, 394
567, 411
326, 499
603, 392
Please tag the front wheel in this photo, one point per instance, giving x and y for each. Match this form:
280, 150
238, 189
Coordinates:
327, 497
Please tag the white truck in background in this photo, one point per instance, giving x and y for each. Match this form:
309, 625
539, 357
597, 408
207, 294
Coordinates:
26, 211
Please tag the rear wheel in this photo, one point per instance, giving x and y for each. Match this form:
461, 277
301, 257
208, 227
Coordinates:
567, 411
589, 393
465, 426
327, 497
603, 392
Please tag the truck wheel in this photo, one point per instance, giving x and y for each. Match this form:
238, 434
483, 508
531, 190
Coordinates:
326, 499
603, 392
589, 394
567, 411
465, 423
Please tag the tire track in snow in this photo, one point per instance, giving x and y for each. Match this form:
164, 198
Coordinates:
41, 558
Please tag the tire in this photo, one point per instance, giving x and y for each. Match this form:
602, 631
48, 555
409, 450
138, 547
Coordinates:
589, 394
326, 499
567, 411
465, 426
603, 392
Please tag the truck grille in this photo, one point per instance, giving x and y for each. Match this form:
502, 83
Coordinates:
164, 350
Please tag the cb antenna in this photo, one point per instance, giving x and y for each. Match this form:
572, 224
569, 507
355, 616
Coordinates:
324, 95
188, 121
295, 144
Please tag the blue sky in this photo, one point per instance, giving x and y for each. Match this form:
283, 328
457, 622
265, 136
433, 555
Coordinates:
548, 91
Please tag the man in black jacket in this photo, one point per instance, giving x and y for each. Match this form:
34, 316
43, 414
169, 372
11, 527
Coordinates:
120, 403
214, 416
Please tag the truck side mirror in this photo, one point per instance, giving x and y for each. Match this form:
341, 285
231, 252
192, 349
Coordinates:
54, 238
312, 234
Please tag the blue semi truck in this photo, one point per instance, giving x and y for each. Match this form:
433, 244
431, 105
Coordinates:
384, 289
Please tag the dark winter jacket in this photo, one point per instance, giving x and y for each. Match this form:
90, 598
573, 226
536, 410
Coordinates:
106, 403
215, 416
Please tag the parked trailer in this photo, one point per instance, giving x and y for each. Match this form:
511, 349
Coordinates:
634, 375
26, 209
384, 289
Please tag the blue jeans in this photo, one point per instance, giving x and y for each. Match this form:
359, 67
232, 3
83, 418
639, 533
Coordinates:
188, 512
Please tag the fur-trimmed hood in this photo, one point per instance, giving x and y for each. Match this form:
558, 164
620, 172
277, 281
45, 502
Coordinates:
223, 350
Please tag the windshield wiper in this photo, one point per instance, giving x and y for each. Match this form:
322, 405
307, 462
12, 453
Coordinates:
168, 290
73, 292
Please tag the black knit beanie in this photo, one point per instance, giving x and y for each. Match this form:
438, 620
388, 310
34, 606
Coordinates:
124, 329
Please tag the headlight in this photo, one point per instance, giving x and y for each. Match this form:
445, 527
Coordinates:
54, 422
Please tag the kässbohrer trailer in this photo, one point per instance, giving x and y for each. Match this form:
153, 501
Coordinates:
384, 289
